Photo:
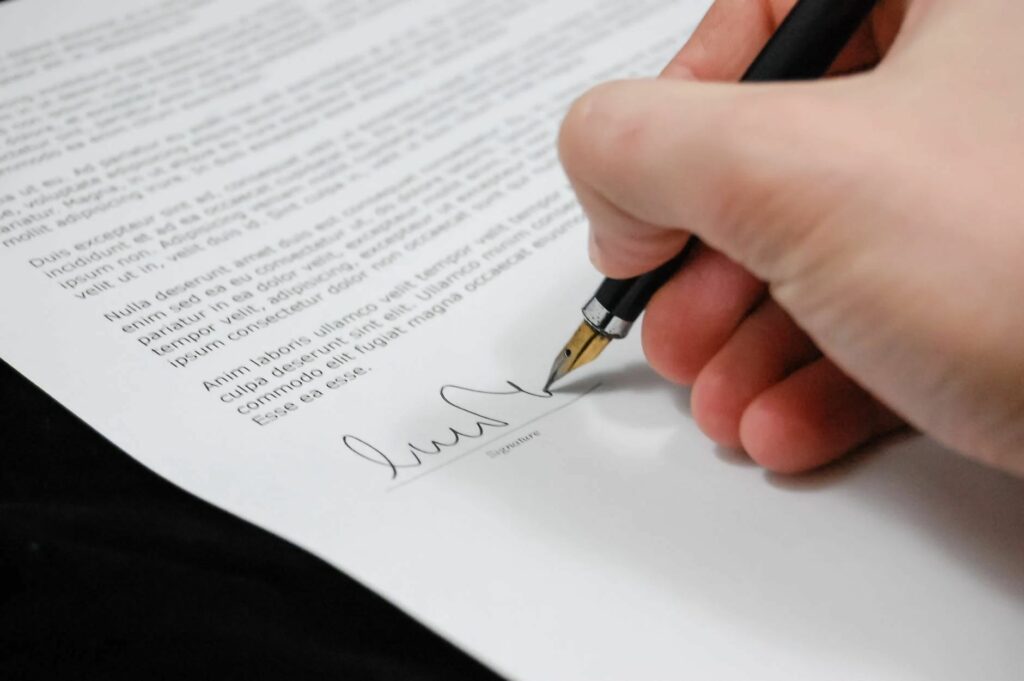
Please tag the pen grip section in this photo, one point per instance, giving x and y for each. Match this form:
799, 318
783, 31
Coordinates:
626, 298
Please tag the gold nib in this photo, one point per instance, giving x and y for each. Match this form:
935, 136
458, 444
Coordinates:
584, 347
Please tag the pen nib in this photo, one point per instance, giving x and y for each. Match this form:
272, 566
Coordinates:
584, 347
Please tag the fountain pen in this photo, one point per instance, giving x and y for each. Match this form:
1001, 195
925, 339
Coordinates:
805, 45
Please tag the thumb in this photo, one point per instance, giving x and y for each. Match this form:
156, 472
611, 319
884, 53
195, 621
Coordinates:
750, 169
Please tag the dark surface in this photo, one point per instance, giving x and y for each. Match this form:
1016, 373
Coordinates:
109, 572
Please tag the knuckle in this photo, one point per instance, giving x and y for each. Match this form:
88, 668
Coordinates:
602, 131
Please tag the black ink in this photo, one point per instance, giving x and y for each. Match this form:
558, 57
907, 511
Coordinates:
452, 438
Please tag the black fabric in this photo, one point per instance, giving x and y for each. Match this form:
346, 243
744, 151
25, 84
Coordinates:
109, 572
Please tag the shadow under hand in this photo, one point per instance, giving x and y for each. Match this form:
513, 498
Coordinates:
637, 379
975, 514
633, 377
734, 457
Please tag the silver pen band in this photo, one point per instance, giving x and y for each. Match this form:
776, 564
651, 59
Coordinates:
603, 321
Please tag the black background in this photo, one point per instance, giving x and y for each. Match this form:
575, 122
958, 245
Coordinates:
109, 572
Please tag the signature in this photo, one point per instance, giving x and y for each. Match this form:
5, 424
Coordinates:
453, 436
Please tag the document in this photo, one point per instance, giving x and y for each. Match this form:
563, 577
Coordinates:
310, 260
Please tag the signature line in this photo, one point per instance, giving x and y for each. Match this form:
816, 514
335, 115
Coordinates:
495, 439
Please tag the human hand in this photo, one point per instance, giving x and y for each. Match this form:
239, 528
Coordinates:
862, 235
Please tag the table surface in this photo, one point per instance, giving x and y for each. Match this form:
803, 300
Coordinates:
108, 571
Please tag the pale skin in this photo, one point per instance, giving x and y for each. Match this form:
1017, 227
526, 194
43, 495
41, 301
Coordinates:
862, 264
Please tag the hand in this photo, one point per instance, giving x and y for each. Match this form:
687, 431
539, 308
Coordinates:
863, 264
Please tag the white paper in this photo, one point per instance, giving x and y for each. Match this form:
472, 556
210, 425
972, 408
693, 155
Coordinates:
189, 187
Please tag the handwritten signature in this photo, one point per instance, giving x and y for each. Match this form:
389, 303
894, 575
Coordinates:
453, 437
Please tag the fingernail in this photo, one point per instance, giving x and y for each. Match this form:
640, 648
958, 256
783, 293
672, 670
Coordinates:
594, 250
678, 71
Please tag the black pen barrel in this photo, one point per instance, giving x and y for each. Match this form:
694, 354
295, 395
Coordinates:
627, 298
809, 39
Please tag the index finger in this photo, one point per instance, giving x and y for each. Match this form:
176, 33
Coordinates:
732, 33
